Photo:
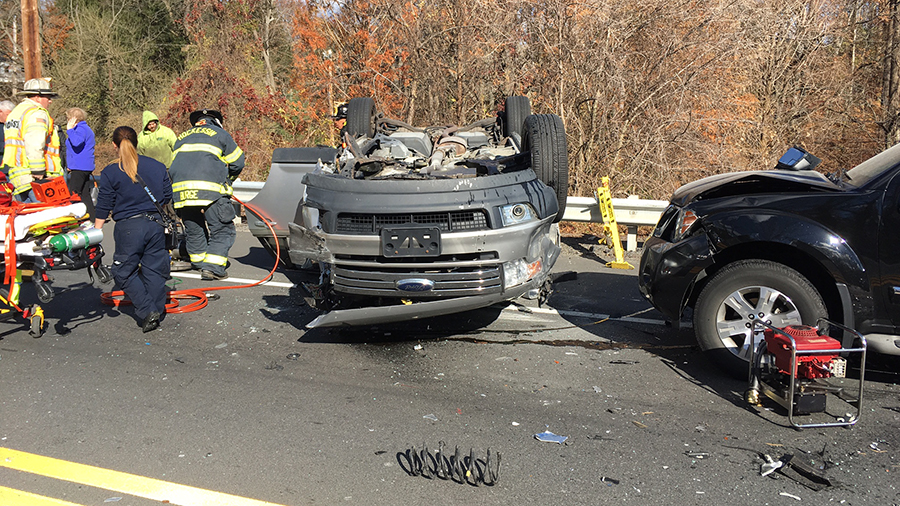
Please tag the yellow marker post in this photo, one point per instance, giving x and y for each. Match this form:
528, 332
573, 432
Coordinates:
610, 227
131, 484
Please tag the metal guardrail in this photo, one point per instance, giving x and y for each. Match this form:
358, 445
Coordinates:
631, 212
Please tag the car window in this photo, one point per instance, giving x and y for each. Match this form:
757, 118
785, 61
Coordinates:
871, 168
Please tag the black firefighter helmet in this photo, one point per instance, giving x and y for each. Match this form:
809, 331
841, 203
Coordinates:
212, 114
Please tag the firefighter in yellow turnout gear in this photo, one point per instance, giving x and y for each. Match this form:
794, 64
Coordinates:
31, 148
207, 161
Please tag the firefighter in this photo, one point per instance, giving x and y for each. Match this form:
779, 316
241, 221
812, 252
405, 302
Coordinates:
340, 122
207, 161
31, 147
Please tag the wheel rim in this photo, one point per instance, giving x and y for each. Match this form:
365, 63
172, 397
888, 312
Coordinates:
743, 307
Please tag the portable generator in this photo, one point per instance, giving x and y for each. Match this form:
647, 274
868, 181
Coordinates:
795, 367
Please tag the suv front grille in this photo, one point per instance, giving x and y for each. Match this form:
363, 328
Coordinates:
371, 224
382, 281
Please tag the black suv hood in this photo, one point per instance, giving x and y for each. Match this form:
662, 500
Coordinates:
750, 182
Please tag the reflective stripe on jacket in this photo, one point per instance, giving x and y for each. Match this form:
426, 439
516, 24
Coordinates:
206, 161
44, 161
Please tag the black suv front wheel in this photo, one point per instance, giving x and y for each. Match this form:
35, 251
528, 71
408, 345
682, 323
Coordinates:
742, 293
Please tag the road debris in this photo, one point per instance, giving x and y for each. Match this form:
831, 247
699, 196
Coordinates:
456, 467
609, 481
796, 469
769, 466
293, 356
792, 496
549, 437
431, 417
875, 448
697, 455
624, 362
638, 424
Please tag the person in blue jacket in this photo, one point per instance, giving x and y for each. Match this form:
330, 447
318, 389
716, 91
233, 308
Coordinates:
80, 156
141, 261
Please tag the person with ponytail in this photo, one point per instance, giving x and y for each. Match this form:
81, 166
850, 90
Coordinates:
141, 261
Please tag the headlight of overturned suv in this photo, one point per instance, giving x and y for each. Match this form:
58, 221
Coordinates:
515, 214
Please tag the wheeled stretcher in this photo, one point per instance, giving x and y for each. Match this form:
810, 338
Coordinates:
38, 238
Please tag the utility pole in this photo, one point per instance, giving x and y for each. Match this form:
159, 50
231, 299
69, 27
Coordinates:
31, 42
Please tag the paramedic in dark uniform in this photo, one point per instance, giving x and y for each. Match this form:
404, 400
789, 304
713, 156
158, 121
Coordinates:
141, 261
207, 161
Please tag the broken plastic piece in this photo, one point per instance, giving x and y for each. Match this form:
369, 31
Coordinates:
549, 437
769, 466
803, 473
431, 417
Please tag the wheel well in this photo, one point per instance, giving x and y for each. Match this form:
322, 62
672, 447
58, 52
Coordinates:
783, 254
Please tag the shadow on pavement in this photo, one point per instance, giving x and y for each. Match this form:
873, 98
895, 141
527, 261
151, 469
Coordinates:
71, 307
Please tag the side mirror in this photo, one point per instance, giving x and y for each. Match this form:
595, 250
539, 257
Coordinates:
797, 159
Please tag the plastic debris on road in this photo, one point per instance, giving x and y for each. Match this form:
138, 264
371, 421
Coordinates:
549, 437
769, 466
431, 417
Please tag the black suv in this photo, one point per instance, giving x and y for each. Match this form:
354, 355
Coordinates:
785, 246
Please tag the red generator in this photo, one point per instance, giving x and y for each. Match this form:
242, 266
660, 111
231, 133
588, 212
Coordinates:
796, 365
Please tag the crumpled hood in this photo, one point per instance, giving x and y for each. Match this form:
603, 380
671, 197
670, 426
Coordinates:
749, 182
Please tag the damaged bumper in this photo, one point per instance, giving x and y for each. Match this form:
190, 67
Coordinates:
668, 272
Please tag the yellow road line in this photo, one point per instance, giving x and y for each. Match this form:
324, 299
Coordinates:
13, 497
116, 481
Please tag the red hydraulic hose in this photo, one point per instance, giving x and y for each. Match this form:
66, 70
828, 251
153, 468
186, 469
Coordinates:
197, 296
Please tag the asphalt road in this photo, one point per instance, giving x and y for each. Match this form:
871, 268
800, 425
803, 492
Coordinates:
239, 399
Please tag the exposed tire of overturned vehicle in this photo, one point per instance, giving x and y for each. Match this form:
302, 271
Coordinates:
410, 222
784, 246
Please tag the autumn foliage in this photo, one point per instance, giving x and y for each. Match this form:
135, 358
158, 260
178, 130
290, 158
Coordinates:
653, 93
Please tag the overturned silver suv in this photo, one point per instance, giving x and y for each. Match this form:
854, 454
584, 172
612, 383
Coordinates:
407, 222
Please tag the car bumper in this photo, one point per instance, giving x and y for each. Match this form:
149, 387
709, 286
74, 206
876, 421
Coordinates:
669, 270
355, 268
394, 313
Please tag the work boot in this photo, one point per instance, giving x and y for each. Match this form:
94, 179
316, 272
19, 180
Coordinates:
180, 265
151, 322
206, 275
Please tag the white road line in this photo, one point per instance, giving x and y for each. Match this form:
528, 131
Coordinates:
237, 281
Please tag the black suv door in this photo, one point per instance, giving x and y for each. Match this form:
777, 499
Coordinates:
886, 282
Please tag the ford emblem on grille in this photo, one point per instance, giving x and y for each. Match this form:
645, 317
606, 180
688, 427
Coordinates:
415, 285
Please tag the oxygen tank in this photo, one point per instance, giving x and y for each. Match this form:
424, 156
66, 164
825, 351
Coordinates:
76, 240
